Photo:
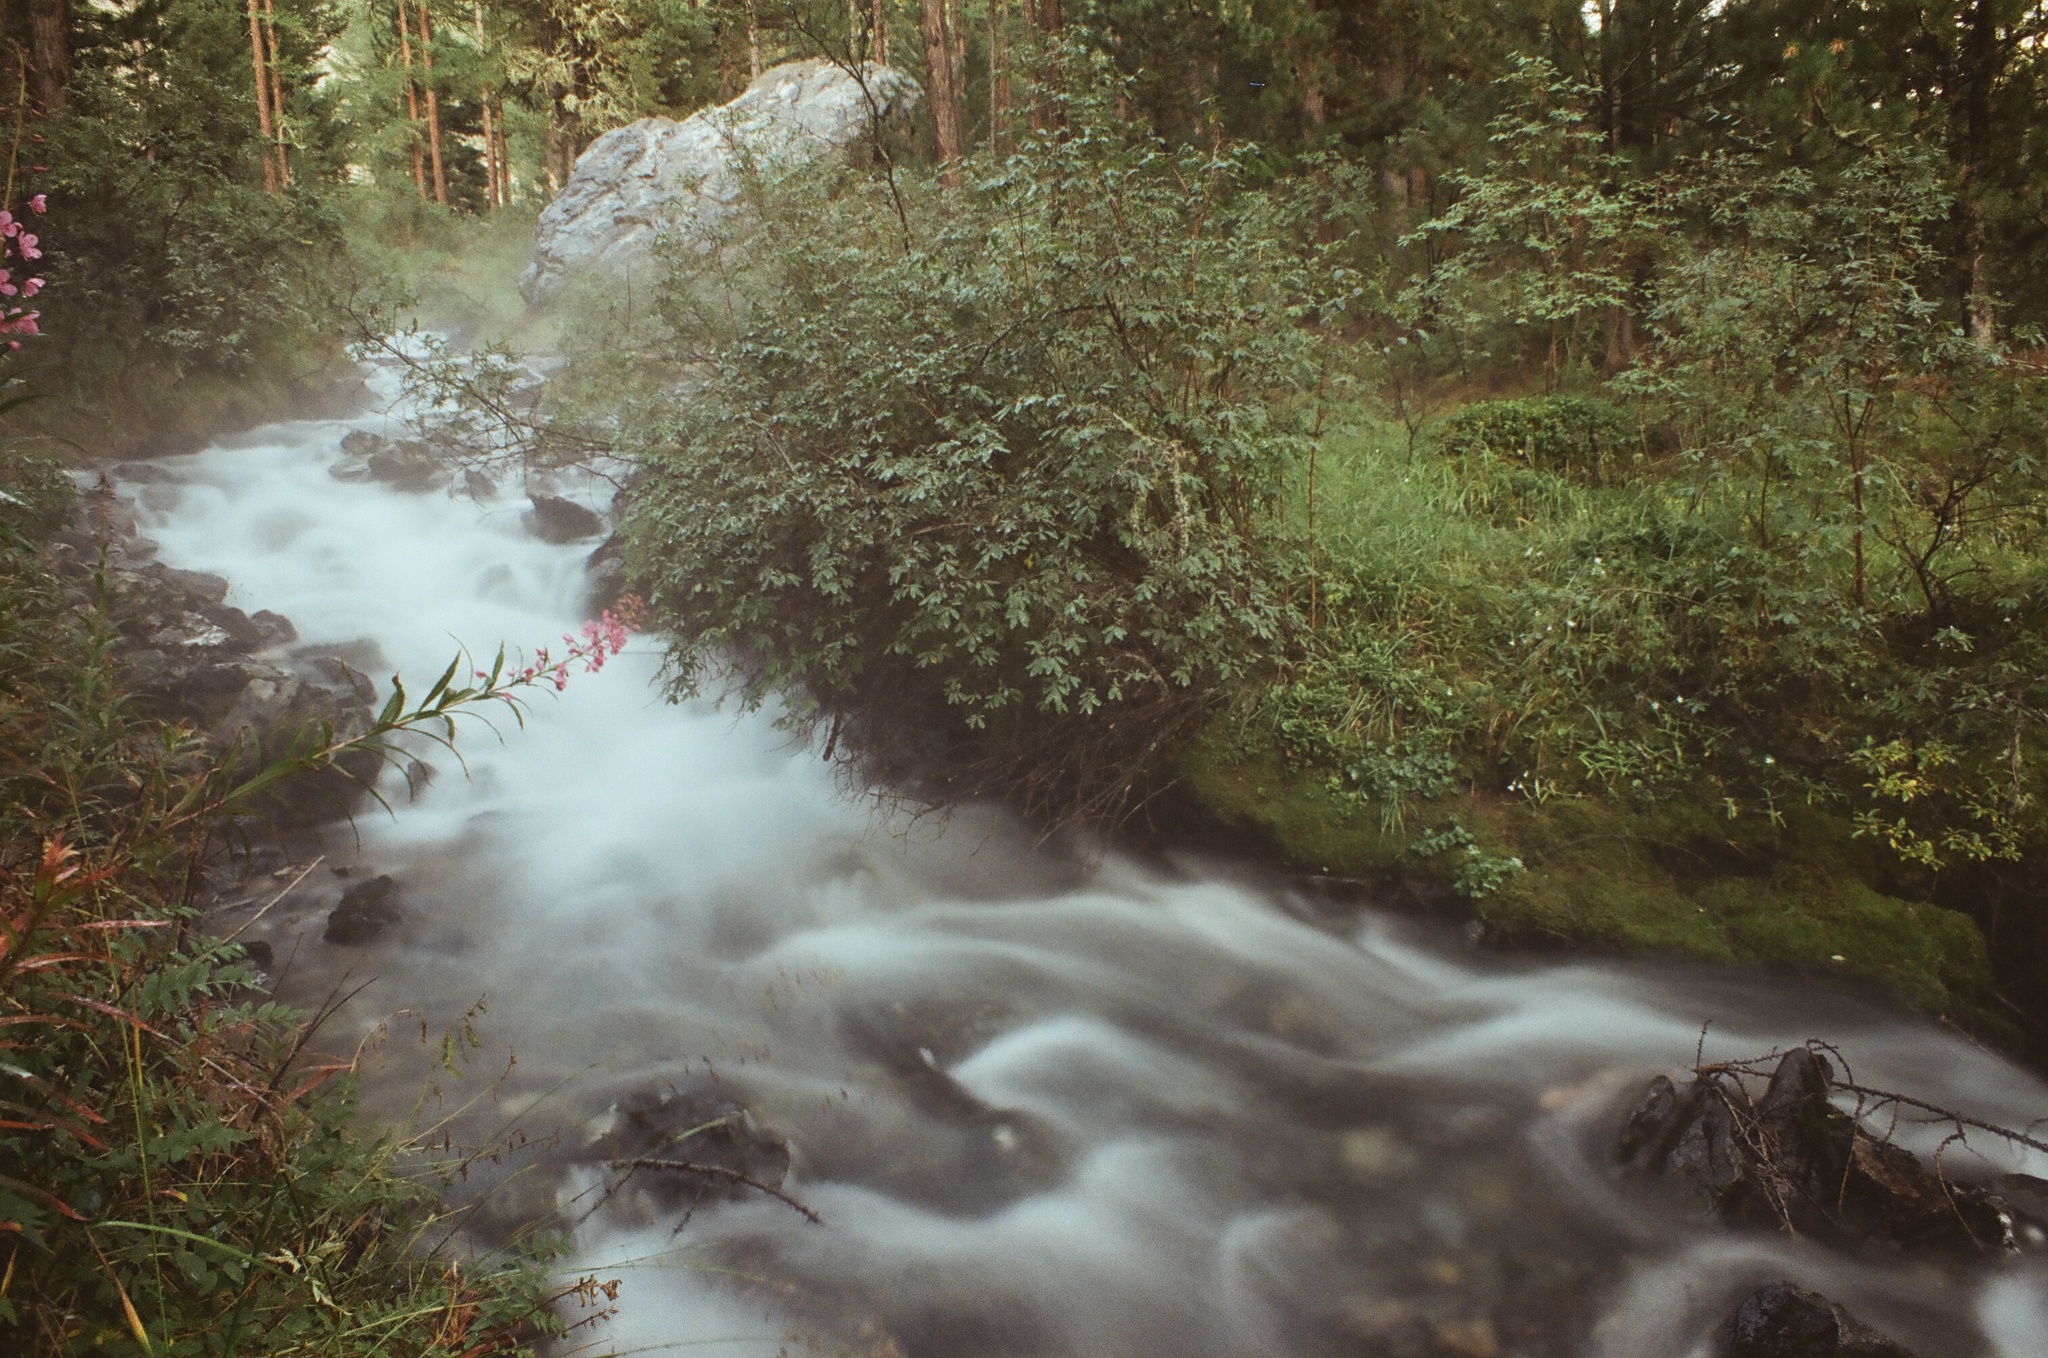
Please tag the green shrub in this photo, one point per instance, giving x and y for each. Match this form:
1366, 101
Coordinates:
994, 470
1581, 436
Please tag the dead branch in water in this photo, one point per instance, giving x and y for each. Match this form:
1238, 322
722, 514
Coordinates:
690, 1167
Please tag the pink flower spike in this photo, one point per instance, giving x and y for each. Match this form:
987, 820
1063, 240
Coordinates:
40, 203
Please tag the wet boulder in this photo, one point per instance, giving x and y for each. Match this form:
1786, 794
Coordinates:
677, 1150
554, 519
366, 911
605, 571
407, 465
1783, 1321
1791, 1158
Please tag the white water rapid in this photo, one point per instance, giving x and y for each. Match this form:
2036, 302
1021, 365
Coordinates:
1044, 1109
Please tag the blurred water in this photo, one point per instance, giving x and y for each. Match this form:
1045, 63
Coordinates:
1045, 1106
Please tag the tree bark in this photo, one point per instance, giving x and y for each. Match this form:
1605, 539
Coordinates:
262, 97
753, 41
49, 36
412, 101
1001, 96
879, 44
433, 105
284, 154
942, 93
1047, 17
1983, 56
504, 159
490, 133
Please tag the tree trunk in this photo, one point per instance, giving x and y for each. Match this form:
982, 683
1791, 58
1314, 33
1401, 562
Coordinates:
1983, 56
491, 198
1000, 95
942, 93
956, 51
753, 41
879, 43
412, 102
1047, 18
262, 96
284, 154
504, 158
49, 36
433, 105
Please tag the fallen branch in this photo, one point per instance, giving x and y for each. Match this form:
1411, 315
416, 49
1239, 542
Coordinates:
689, 1167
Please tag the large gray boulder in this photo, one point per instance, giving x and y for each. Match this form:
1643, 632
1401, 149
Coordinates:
658, 174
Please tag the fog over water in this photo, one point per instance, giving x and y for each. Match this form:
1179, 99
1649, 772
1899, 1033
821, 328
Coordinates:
1044, 1107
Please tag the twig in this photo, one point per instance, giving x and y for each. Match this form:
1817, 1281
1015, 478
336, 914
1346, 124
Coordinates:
274, 900
1883, 1096
689, 1167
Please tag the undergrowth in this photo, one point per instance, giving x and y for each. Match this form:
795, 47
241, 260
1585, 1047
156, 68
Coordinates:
180, 1173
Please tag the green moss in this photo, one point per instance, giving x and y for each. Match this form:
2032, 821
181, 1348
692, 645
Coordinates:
1935, 956
1603, 897
1677, 879
1245, 784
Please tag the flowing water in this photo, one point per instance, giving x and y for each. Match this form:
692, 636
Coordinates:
1092, 1108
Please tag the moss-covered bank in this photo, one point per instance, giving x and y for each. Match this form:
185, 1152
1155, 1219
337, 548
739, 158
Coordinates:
1674, 879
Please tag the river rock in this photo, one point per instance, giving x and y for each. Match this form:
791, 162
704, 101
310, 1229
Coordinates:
409, 465
604, 570
1793, 1159
657, 174
694, 1127
554, 519
1783, 1321
366, 910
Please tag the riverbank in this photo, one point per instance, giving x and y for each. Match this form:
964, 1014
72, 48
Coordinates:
1585, 876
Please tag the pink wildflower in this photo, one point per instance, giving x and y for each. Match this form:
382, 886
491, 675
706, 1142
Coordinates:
31, 287
39, 204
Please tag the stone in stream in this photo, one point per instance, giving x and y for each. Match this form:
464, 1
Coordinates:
554, 519
409, 465
652, 1133
1783, 1321
658, 175
1793, 1159
367, 909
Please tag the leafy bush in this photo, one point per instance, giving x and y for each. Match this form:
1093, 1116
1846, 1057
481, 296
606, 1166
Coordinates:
993, 472
1578, 435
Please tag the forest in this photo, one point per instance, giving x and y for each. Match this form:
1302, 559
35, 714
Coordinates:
1579, 472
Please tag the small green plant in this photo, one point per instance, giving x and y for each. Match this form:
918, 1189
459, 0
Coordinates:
1477, 873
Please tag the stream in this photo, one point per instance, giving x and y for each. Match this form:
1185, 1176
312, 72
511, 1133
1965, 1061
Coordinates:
1046, 1106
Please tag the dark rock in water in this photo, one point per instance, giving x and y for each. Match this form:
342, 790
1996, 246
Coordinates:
1793, 1159
409, 465
367, 909
605, 569
1783, 1321
691, 1128
260, 953
272, 629
554, 519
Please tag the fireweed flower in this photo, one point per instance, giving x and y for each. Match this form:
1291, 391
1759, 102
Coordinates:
601, 639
